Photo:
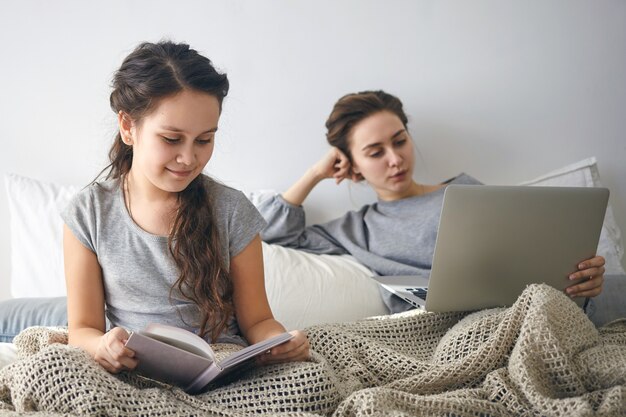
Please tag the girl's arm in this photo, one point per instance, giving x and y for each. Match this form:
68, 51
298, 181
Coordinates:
253, 312
85, 308
335, 164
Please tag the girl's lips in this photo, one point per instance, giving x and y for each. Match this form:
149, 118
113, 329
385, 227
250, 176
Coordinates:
180, 173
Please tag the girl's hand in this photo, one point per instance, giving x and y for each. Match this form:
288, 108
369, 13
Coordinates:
593, 270
295, 350
335, 164
112, 354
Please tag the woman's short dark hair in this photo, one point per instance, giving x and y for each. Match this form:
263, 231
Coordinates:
352, 108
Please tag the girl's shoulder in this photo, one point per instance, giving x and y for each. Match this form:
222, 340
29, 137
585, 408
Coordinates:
98, 192
217, 189
223, 196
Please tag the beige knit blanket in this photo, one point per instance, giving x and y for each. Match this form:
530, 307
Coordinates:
541, 357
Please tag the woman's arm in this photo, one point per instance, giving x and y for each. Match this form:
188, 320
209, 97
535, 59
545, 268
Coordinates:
335, 164
593, 270
253, 312
85, 308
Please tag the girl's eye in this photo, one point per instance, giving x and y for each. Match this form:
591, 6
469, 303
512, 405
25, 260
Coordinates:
204, 141
376, 154
170, 140
400, 142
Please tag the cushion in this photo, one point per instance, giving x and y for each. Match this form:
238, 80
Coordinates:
304, 289
36, 236
585, 174
8, 354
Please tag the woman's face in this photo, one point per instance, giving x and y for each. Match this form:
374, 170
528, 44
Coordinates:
382, 152
173, 143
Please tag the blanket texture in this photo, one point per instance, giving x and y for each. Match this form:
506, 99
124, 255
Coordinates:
540, 357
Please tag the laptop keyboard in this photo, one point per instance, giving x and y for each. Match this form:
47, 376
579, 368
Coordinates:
419, 292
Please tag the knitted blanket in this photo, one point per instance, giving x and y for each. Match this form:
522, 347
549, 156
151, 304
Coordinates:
540, 357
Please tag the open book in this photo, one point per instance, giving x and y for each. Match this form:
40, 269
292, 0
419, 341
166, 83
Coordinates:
182, 358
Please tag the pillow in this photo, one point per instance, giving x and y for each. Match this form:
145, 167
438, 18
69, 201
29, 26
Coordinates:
8, 354
36, 236
37, 255
304, 289
585, 174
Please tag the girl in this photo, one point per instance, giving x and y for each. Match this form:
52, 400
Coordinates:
396, 235
158, 241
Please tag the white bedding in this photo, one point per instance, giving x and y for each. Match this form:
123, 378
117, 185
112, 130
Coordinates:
8, 354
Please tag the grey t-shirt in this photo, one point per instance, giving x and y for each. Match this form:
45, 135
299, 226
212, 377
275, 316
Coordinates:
137, 268
389, 237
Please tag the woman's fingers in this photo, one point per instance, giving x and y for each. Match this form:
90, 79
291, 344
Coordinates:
588, 273
589, 288
591, 271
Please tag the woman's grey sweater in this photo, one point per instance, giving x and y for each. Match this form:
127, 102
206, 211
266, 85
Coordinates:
389, 237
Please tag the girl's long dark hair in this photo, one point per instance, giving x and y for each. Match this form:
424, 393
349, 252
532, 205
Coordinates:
151, 72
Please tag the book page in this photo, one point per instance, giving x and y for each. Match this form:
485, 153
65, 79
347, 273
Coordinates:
254, 350
180, 338
167, 363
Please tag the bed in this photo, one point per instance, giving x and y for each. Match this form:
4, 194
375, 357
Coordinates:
524, 360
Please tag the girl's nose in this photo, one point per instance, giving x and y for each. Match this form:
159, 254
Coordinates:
186, 156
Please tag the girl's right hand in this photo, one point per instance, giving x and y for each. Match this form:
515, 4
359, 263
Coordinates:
112, 353
335, 164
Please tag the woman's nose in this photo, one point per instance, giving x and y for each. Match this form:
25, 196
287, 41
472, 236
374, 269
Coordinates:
395, 159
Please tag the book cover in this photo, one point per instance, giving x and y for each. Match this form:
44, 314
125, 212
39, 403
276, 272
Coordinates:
179, 357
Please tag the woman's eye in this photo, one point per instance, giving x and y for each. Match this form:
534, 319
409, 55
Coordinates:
376, 154
204, 141
170, 140
400, 142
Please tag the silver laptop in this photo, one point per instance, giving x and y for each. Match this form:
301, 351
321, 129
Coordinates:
495, 240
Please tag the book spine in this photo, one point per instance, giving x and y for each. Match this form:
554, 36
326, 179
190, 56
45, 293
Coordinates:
201, 381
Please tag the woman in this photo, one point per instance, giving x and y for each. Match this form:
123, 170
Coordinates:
396, 235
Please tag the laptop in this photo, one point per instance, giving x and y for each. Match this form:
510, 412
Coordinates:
493, 241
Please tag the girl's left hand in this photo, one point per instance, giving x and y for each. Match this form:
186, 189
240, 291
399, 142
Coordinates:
295, 350
593, 270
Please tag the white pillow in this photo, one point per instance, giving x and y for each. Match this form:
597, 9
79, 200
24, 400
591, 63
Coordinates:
36, 236
303, 288
585, 174
306, 289
8, 354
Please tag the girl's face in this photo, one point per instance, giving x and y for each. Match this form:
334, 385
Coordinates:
382, 152
173, 143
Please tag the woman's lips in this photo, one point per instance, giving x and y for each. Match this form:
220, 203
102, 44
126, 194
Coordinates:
399, 176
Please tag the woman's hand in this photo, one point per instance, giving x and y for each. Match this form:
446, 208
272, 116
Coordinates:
593, 270
295, 350
112, 354
335, 164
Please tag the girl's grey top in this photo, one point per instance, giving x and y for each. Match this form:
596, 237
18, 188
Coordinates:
138, 270
389, 237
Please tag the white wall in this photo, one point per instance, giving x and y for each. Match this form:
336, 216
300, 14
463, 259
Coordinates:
503, 90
